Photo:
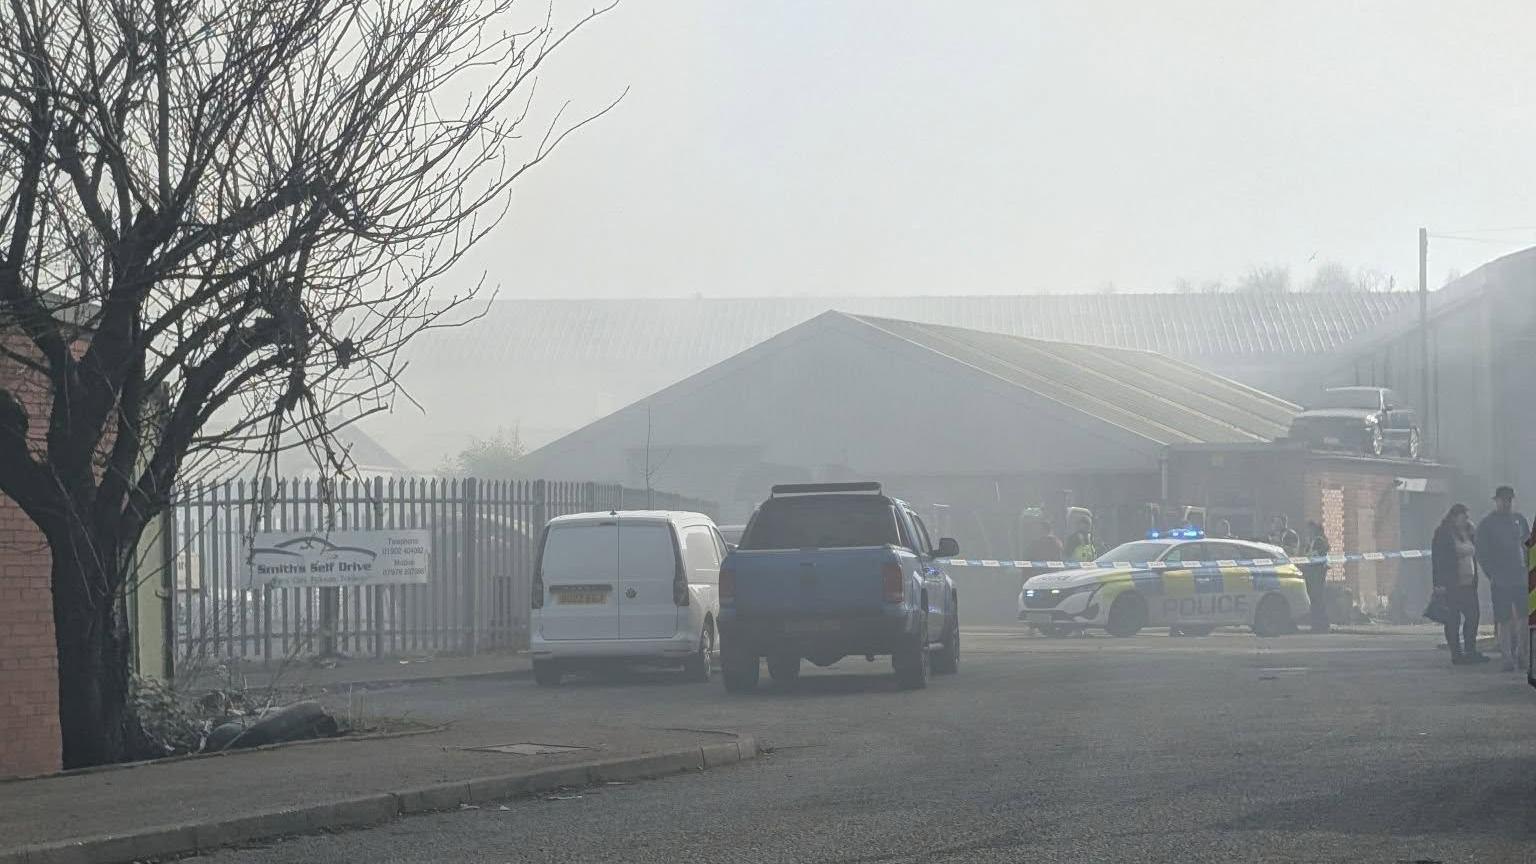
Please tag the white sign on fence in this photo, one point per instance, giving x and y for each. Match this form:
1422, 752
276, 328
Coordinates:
326, 559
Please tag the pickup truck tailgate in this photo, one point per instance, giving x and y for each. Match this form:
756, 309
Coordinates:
809, 581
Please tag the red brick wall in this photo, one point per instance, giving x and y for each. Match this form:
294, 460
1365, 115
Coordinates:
1368, 521
29, 677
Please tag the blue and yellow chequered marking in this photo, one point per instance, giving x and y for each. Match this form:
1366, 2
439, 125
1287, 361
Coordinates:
1212, 580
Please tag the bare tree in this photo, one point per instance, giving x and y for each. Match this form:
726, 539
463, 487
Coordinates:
1331, 277
219, 222
1266, 279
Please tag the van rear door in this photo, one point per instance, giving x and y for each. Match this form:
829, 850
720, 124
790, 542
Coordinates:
579, 567
648, 565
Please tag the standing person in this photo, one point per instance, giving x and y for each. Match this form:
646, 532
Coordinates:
1501, 537
1316, 575
1223, 529
1080, 545
1281, 534
1044, 545
1453, 563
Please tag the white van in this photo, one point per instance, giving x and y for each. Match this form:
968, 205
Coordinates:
627, 586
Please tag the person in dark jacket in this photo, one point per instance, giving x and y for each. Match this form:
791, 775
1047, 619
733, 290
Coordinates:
1501, 537
1044, 545
1453, 564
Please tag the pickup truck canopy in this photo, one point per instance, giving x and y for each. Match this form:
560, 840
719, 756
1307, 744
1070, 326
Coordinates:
827, 521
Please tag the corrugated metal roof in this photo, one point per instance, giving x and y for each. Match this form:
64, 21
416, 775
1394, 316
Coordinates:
699, 332
1164, 400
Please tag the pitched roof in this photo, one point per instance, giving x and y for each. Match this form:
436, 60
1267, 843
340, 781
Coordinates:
703, 331
1143, 399
1159, 398
363, 452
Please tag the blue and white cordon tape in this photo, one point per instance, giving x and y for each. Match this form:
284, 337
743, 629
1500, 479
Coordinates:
1343, 558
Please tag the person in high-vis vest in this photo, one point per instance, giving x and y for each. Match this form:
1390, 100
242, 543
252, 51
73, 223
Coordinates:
1530, 585
1081, 545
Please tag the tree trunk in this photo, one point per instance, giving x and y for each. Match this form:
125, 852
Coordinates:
93, 660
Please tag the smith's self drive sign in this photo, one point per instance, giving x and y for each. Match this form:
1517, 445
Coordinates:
325, 559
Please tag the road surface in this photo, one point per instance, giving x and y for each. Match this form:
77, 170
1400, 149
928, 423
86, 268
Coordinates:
1224, 748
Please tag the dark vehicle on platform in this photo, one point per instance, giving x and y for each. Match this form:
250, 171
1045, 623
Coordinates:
830, 570
1369, 420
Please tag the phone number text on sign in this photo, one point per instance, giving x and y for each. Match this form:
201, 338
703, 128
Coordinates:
327, 559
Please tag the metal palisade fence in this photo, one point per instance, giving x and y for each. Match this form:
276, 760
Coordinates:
484, 537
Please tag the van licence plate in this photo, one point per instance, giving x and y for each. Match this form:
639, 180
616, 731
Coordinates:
577, 598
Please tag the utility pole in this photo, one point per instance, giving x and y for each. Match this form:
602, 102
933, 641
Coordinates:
1424, 411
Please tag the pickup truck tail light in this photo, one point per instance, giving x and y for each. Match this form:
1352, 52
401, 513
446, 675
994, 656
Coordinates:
727, 585
893, 578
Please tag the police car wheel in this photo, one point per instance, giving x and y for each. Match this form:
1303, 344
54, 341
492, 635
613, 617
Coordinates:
1272, 617
1127, 615
1196, 629
1055, 631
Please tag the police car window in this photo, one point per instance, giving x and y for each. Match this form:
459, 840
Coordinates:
1134, 552
1183, 552
1228, 552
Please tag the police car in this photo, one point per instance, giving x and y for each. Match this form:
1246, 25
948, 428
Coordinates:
1177, 579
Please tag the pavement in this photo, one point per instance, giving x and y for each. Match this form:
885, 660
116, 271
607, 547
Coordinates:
340, 673
1341, 747
167, 808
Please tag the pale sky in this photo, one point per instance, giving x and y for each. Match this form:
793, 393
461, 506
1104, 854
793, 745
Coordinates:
978, 147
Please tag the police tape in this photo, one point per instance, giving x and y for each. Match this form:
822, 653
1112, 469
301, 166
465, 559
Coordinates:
1342, 558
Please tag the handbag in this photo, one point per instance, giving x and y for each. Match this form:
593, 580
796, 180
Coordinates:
1438, 610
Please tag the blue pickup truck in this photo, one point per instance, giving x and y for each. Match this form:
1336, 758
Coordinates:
828, 570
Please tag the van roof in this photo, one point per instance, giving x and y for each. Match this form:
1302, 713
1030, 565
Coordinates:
681, 517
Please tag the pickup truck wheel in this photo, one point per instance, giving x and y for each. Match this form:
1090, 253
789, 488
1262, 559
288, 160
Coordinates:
911, 660
1127, 615
947, 660
697, 666
546, 673
784, 668
739, 670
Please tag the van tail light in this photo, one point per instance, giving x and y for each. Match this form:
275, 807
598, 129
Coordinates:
727, 585
680, 587
538, 590
895, 582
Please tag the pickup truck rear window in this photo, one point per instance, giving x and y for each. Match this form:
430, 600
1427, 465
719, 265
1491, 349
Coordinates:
822, 522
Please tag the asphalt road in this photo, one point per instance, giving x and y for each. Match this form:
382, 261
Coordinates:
1224, 748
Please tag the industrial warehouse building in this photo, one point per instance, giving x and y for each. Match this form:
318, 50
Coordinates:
546, 367
974, 427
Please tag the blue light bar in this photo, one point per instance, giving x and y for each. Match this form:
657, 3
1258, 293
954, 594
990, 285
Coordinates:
1176, 534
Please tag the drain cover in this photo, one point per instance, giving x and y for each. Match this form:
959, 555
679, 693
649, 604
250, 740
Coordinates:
528, 748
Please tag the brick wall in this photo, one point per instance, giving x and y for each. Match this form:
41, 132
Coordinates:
29, 678
1359, 513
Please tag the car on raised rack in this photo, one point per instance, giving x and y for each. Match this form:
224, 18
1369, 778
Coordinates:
1368, 420
1177, 579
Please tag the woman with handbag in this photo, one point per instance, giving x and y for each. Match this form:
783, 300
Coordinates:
1453, 564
